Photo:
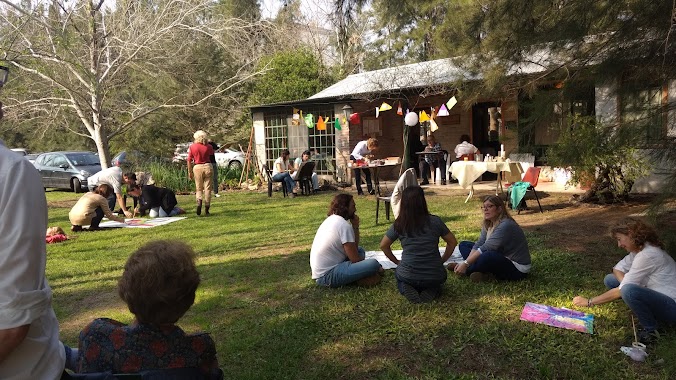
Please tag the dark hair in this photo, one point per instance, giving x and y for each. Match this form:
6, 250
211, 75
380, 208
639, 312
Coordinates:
413, 212
134, 187
638, 231
284, 152
103, 190
464, 138
307, 153
130, 175
159, 282
340, 205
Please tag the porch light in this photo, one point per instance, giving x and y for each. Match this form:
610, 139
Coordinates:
4, 73
347, 111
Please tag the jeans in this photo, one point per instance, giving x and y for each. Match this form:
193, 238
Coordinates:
97, 219
648, 305
417, 284
491, 262
348, 272
159, 212
112, 200
426, 166
286, 179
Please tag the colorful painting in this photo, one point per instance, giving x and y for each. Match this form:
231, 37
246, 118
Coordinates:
558, 317
140, 223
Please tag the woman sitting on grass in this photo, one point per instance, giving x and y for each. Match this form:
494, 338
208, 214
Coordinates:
420, 273
91, 208
502, 248
158, 285
645, 279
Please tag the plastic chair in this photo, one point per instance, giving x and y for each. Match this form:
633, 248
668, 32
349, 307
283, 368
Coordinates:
531, 177
305, 177
268, 176
409, 178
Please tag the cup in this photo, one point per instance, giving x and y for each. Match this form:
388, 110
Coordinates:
466, 159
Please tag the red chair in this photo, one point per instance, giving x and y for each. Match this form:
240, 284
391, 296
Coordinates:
531, 177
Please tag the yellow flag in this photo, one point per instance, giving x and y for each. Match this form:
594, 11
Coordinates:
423, 116
385, 107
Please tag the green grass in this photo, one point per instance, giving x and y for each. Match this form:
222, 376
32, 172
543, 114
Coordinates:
270, 321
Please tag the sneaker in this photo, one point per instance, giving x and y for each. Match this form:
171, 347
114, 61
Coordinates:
76, 228
423, 183
411, 293
372, 191
443, 181
217, 195
648, 337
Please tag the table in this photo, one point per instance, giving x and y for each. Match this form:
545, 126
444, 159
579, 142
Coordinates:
466, 172
375, 176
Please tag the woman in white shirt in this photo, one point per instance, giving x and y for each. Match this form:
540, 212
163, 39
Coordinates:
362, 150
282, 172
645, 279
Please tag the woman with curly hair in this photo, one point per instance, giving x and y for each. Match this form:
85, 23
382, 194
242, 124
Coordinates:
645, 279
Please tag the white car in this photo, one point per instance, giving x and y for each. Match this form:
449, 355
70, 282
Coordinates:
225, 157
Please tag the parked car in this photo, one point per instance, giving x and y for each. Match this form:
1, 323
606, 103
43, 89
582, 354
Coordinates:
31, 157
21, 151
67, 170
225, 157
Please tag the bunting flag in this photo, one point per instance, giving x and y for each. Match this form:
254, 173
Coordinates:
321, 126
443, 111
309, 121
336, 124
400, 112
296, 115
433, 125
451, 102
385, 107
423, 116
377, 112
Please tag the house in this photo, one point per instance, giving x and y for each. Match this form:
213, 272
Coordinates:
507, 119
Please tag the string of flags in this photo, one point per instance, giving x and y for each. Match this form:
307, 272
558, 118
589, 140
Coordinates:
410, 119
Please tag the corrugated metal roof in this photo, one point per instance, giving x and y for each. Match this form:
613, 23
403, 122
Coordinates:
415, 75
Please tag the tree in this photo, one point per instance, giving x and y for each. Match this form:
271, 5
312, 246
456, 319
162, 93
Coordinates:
112, 67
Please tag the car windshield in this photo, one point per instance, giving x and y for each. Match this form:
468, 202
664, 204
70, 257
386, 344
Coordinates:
84, 159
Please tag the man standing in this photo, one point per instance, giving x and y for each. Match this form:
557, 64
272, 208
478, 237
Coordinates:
336, 258
29, 330
112, 177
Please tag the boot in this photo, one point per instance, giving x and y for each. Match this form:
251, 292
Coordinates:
206, 209
199, 207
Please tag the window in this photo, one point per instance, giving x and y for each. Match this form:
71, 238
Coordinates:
280, 133
641, 108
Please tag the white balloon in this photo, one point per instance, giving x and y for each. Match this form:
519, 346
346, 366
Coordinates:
411, 119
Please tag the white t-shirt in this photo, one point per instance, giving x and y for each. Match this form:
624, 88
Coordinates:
360, 150
654, 269
625, 264
111, 176
464, 148
327, 248
25, 295
282, 163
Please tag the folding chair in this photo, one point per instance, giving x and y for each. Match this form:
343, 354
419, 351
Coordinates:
268, 176
305, 177
531, 178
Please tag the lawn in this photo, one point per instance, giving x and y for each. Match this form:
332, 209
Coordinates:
270, 321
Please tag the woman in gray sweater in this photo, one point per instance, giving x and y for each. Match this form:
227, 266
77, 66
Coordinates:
502, 248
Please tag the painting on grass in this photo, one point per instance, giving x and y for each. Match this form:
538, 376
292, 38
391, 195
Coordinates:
140, 223
558, 317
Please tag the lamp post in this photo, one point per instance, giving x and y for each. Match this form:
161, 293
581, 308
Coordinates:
4, 74
347, 111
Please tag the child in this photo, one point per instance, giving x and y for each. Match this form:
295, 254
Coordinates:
55, 235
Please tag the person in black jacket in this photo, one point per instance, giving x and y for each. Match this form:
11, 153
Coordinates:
159, 201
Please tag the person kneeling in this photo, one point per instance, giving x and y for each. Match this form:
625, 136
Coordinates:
158, 284
160, 201
336, 258
420, 273
91, 208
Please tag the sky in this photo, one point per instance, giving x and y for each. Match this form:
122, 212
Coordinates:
269, 8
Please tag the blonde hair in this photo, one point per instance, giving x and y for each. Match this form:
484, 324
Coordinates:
200, 137
504, 212
372, 143
56, 230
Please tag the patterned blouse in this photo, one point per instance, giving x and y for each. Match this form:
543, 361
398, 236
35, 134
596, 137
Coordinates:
109, 345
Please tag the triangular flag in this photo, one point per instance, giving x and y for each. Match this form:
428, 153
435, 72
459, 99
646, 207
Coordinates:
321, 126
423, 116
400, 112
302, 119
385, 107
443, 111
296, 116
336, 124
309, 121
377, 112
451, 102
433, 125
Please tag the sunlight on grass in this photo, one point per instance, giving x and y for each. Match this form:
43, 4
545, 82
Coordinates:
270, 321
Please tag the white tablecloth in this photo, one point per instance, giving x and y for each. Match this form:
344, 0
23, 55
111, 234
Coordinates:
466, 172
